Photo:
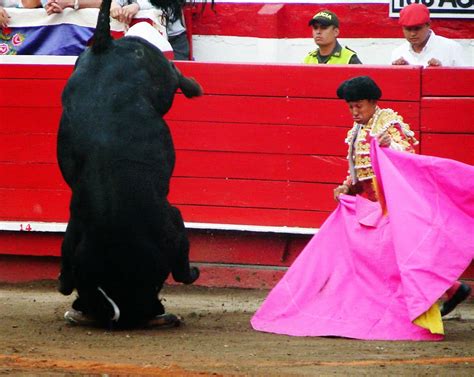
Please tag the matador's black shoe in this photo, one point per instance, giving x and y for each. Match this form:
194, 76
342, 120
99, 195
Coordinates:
462, 293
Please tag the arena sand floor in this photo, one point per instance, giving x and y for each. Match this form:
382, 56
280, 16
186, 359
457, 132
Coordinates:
215, 340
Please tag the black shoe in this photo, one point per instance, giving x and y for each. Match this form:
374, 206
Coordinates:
463, 292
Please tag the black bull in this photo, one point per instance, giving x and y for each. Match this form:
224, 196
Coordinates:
116, 153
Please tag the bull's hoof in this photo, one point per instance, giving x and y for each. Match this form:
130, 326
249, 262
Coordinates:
65, 286
165, 321
193, 275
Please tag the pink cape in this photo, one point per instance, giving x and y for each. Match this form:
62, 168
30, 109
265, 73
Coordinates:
368, 276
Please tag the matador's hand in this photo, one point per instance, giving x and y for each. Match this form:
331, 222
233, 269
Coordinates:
342, 189
384, 139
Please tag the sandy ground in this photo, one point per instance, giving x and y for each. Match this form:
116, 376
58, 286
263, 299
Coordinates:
216, 339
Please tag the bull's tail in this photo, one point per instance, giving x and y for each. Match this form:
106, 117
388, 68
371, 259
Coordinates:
188, 85
102, 38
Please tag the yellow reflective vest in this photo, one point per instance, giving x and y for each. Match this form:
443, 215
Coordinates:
338, 57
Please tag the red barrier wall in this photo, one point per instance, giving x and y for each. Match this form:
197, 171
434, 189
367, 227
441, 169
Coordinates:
263, 146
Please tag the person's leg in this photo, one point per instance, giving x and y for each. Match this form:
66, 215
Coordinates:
180, 46
456, 294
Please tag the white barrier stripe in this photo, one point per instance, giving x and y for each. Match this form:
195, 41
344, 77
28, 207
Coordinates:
53, 227
38, 59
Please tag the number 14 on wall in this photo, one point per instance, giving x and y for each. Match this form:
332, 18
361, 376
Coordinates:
26, 228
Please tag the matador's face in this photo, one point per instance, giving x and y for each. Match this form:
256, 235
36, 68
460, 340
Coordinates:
362, 110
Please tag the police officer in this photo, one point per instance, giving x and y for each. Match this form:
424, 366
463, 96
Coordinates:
325, 26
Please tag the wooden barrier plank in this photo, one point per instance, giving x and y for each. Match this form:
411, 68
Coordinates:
259, 138
31, 176
311, 168
397, 83
401, 84
35, 71
274, 110
31, 243
31, 93
252, 193
234, 108
198, 165
16, 269
206, 246
53, 205
447, 82
230, 137
21, 119
458, 147
28, 147
231, 247
21, 206
447, 115
253, 216
212, 248
34, 205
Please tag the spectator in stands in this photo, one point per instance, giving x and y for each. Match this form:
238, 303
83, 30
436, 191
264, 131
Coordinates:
176, 30
5, 17
125, 10
57, 6
325, 26
423, 46
144, 30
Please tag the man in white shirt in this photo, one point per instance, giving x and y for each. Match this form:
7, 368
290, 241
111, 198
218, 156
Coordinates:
423, 46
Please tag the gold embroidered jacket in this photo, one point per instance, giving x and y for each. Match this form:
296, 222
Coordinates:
359, 136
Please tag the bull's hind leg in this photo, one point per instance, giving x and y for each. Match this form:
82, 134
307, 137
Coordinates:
179, 257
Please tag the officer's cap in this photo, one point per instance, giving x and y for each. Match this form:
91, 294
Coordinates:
325, 18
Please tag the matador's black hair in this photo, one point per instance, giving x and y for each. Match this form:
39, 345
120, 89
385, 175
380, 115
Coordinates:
359, 88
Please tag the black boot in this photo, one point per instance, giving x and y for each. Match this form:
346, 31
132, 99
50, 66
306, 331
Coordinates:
462, 293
